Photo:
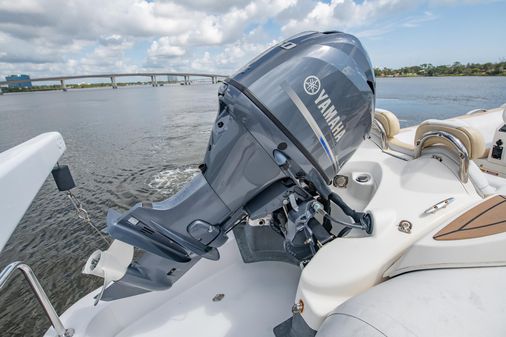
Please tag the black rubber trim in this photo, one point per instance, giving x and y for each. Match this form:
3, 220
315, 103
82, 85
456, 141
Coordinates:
280, 125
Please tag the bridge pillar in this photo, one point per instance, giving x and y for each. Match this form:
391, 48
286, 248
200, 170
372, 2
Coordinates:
186, 80
63, 86
113, 82
154, 83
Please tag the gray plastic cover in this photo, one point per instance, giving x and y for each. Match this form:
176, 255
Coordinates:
321, 92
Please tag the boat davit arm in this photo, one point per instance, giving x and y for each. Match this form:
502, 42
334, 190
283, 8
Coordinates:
23, 170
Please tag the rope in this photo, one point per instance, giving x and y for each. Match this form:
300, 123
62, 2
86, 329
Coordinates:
83, 214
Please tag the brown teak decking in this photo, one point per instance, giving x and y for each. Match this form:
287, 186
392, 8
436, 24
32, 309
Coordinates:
485, 219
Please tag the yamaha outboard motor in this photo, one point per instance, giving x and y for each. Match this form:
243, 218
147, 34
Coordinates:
287, 122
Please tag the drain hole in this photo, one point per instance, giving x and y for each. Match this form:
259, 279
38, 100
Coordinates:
363, 178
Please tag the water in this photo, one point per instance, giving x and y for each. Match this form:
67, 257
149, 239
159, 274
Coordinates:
416, 99
144, 143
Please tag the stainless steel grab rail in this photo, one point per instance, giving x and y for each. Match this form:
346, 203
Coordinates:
381, 133
455, 142
37, 289
475, 111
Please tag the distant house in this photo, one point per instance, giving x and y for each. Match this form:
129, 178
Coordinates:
24, 84
172, 79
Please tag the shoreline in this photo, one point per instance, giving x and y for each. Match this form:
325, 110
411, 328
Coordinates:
435, 76
6, 90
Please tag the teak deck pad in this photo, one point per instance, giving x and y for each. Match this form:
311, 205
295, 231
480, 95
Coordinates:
485, 219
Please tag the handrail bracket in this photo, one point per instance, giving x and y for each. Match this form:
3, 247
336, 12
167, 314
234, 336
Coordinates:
5, 277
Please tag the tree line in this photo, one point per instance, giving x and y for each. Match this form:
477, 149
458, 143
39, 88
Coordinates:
455, 69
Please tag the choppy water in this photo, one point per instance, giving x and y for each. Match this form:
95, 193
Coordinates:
144, 143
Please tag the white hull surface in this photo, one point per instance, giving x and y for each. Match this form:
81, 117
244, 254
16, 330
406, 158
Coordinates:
358, 263
256, 298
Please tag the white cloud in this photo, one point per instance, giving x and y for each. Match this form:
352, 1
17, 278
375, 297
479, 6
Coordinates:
385, 27
46, 37
108, 56
214, 6
223, 59
163, 48
54, 32
416, 21
346, 14
232, 57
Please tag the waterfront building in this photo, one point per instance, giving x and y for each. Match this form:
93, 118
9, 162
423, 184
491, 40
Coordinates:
27, 84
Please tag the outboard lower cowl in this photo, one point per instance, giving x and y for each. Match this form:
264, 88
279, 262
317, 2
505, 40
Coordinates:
170, 230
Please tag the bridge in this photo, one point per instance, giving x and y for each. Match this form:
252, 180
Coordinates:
152, 76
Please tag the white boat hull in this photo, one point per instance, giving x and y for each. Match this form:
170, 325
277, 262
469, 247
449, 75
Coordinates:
257, 297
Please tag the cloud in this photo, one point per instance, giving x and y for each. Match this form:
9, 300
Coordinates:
232, 57
223, 59
164, 48
97, 32
416, 21
215, 7
107, 56
346, 14
20, 51
26, 58
49, 37
383, 28
183, 20
112, 40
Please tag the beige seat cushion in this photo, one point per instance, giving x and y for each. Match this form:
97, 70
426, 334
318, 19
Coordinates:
389, 122
469, 136
392, 127
399, 146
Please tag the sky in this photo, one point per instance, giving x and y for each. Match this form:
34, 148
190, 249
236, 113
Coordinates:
67, 37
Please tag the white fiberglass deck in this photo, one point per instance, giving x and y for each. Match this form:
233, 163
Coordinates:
258, 296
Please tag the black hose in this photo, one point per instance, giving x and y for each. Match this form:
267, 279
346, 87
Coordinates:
346, 209
361, 219
326, 207
344, 232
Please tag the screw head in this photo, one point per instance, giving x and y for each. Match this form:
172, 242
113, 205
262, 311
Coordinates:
340, 181
218, 297
69, 332
298, 307
405, 226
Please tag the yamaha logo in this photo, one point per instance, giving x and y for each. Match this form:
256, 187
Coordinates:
312, 85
